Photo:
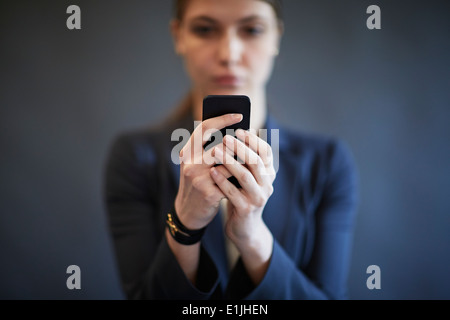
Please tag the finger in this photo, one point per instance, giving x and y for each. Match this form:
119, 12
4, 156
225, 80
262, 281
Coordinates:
233, 194
215, 194
203, 132
209, 126
258, 145
209, 158
193, 150
248, 157
242, 174
224, 171
218, 164
207, 187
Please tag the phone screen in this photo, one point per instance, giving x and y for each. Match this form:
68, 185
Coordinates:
217, 105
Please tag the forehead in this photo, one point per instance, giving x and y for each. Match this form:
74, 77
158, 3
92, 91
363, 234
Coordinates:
228, 11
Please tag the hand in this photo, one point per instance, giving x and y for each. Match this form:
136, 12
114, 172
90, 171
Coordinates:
245, 226
198, 197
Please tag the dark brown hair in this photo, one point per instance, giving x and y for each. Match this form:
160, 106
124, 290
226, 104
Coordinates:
180, 7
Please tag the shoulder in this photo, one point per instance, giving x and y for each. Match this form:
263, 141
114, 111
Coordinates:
323, 165
143, 145
317, 160
135, 160
329, 161
133, 145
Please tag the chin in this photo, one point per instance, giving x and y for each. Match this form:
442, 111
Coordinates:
228, 91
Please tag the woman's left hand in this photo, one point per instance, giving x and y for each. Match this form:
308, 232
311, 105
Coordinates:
256, 174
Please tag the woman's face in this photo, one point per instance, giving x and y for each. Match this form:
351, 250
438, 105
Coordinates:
229, 46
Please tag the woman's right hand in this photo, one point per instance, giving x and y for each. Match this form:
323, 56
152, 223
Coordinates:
198, 198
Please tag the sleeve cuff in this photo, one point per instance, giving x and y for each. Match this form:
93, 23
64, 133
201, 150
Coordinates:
170, 282
241, 286
272, 286
275, 285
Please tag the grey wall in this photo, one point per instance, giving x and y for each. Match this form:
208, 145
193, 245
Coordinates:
66, 94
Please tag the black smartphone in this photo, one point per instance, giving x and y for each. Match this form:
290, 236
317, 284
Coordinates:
217, 105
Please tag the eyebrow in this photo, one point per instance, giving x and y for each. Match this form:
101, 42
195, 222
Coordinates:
241, 21
252, 18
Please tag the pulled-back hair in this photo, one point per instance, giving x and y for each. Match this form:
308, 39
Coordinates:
180, 7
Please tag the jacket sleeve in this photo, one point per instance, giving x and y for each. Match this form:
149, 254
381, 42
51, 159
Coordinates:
326, 274
132, 190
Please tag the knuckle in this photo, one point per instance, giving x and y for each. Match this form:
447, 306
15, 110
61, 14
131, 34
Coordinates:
245, 177
266, 155
188, 171
210, 197
259, 201
259, 162
206, 125
263, 172
247, 207
268, 161
269, 154
197, 183
270, 190
232, 192
273, 175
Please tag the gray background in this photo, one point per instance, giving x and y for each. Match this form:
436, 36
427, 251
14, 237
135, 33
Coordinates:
66, 94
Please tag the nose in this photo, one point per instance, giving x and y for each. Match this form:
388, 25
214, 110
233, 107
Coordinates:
230, 49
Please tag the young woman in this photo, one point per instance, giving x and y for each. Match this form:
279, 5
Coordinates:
186, 232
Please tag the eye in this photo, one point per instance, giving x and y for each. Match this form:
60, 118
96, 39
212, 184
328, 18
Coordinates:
203, 30
253, 31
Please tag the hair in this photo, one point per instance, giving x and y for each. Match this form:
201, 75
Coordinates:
180, 7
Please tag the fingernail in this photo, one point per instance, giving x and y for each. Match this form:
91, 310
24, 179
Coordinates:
240, 132
217, 152
237, 116
228, 139
214, 172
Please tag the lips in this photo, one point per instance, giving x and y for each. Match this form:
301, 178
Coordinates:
227, 80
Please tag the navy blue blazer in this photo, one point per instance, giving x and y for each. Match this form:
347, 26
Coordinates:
311, 215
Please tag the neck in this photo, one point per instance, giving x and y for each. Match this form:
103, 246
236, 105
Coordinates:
258, 108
